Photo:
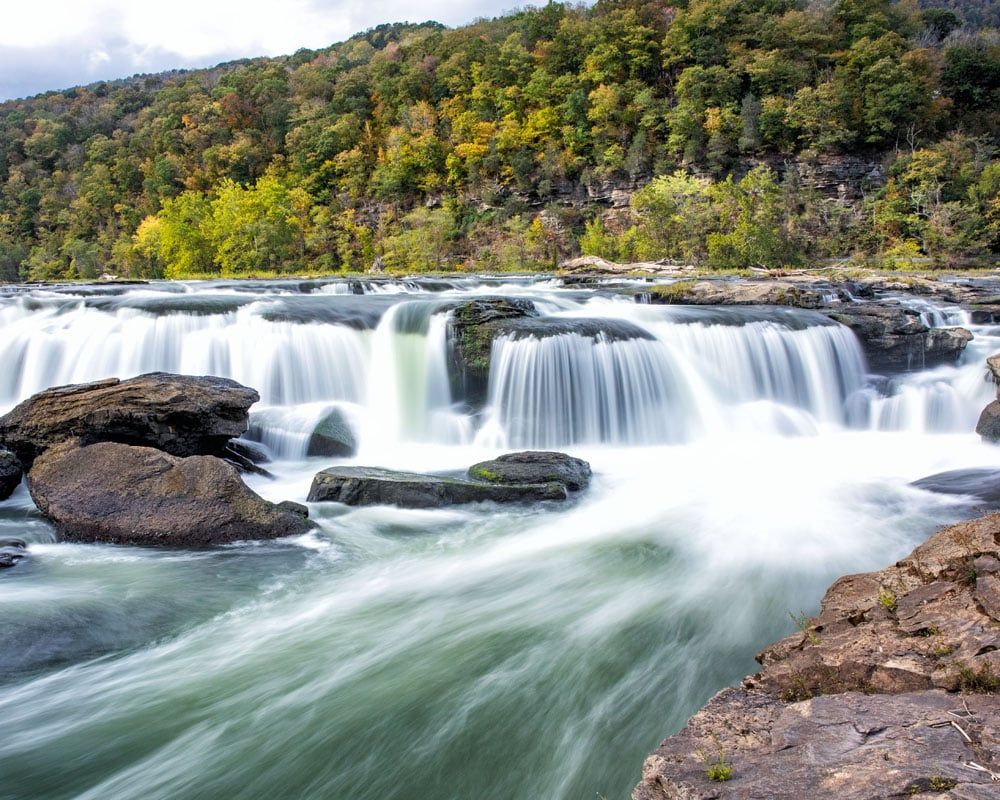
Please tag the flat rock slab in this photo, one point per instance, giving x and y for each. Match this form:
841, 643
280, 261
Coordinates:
180, 414
534, 466
366, 486
122, 494
848, 746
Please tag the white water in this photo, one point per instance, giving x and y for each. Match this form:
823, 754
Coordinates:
743, 459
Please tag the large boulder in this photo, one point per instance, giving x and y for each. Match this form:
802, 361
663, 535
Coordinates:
534, 466
10, 473
895, 339
732, 293
111, 492
366, 486
180, 414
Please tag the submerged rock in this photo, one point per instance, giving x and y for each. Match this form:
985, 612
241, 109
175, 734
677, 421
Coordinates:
110, 492
366, 486
180, 414
981, 483
10, 473
11, 551
856, 705
332, 437
534, 466
894, 338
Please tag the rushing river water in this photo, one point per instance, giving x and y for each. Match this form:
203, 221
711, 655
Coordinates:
743, 459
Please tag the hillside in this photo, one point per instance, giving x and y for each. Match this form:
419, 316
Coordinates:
514, 142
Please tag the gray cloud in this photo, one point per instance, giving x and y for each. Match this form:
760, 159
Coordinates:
105, 52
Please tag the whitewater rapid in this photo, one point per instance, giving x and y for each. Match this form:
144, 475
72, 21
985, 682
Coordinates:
743, 459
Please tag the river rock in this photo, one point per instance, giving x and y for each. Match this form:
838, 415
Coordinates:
733, 293
989, 422
11, 551
855, 705
124, 494
982, 483
534, 466
366, 486
180, 414
895, 339
332, 437
10, 473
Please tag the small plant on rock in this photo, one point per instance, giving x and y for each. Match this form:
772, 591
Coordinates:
887, 598
802, 620
716, 769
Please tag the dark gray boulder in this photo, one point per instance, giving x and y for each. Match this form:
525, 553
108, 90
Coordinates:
989, 422
894, 339
10, 473
110, 492
294, 508
982, 483
366, 486
11, 551
180, 414
534, 466
332, 437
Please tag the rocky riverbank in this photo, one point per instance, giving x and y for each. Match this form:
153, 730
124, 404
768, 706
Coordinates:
891, 691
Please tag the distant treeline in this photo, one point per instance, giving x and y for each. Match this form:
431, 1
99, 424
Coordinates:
419, 147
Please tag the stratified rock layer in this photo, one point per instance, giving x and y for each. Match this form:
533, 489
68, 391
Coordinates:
180, 414
860, 704
109, 492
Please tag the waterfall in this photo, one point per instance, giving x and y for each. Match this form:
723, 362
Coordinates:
691, 379
377, 350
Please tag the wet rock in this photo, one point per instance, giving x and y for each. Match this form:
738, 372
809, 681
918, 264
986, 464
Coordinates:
294, 508
988, 425
894, 338
110, 492
733, 293
534, 466
850, 706
365, 486
982, 483
332, 437
10, 473
180, 414
11, 551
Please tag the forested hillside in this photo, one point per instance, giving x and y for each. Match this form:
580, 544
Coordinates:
503, 143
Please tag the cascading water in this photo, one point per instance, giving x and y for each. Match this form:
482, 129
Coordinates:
743, 459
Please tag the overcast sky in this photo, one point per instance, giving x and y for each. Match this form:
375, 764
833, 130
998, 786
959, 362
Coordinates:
55, 44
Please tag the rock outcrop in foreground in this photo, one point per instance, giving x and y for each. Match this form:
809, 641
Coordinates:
890, 692
122, 494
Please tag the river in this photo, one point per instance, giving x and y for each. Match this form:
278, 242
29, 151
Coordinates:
743, 459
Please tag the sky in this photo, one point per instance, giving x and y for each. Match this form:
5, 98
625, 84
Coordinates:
55, 44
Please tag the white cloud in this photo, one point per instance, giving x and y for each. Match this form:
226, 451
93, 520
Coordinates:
53, 44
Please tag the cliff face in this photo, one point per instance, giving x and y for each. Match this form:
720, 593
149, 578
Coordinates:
890, 692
